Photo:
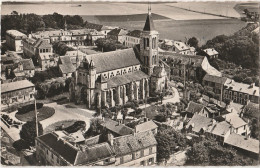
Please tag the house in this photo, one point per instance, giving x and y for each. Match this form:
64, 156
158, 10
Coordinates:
194, 108
39, 50
117, 128
199, 124
14, 40
137, 149
60, 149
66, 68
211, 53
238, 124
16, 94
117, 34
177, 47
240, 92
28, 67
132, 38
93, 36
216, 83
220, 131
74, 54
247, 146
146, 126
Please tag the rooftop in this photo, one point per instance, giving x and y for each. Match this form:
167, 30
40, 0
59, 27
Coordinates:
130, 143
242, 87
8, 87
220, 128
234, 120
210, 51
27, 64
145, 126
117, 128
16, 34
194, 107
181, 46
135, 33
126, 78
117, 32
199, 122
240, 141
215, 79
66, 65
114, 60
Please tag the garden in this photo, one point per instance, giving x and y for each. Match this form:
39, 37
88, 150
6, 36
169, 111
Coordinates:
27, 113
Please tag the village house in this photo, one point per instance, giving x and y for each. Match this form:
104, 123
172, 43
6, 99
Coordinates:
66, 67
193, 108
114, 78
177, 47
240, 92
16, 94
211, 53
62, 149
146, 125
93, 35
40, 51
74, 54
220, 131
117, 34
137, 149
14, 40
132, 38
199, 124
100, 28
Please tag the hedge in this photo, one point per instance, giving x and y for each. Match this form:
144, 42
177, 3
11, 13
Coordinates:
29, 107
76, 126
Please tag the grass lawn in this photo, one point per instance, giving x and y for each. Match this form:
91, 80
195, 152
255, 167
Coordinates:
43, 113
53, 126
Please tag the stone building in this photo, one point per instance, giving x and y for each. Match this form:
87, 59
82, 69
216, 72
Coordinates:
14, 40
113, 78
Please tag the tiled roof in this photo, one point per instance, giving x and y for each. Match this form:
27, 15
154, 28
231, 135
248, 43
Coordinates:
117, 32
115, 127
242, 87
149, 26
80, 31
66, 65
126, 78
220, 129
194, 107
7, 87
215, 79
145, 126
210, 51
114, 60
135, 33
234, 120
76, 155
199, 122
180, 45
40, 43
27, 64
94, 153
15, 34
130, 143
240, 141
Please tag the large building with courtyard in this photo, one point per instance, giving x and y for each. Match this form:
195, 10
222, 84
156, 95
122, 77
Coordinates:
114, 78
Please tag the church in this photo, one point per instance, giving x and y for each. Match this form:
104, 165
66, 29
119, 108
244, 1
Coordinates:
114, 78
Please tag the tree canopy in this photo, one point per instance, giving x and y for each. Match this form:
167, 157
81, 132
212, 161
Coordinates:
193, 42
106, 44
28, 132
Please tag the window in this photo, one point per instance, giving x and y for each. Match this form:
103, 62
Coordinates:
150, 161
52, 156
244, 127
133, 156
142, 163
150, 150
142, 153
121, 160
47, 152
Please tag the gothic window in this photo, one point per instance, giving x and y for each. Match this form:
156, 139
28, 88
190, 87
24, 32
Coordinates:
118, 73
147, 42
129, 70
144, 43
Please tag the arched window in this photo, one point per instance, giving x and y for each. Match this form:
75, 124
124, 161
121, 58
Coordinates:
147, 42
144, 43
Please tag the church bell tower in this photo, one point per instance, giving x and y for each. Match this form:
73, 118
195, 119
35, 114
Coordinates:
149, 45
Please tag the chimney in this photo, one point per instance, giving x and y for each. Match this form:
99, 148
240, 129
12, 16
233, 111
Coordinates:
252, 85
110, 138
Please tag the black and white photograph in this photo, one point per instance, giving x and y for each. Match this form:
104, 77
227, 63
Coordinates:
129, 83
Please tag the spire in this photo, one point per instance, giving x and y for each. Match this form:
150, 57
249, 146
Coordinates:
149, 26
65, 25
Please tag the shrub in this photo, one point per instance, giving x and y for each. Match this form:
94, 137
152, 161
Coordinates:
76, 126
29, 107
20, 145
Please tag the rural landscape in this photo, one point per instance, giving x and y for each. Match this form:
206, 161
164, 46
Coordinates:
129, 83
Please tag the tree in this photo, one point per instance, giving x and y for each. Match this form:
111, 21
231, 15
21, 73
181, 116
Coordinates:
193, 42
248, 80
209, 152
95, 127
28, 132
227, 101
